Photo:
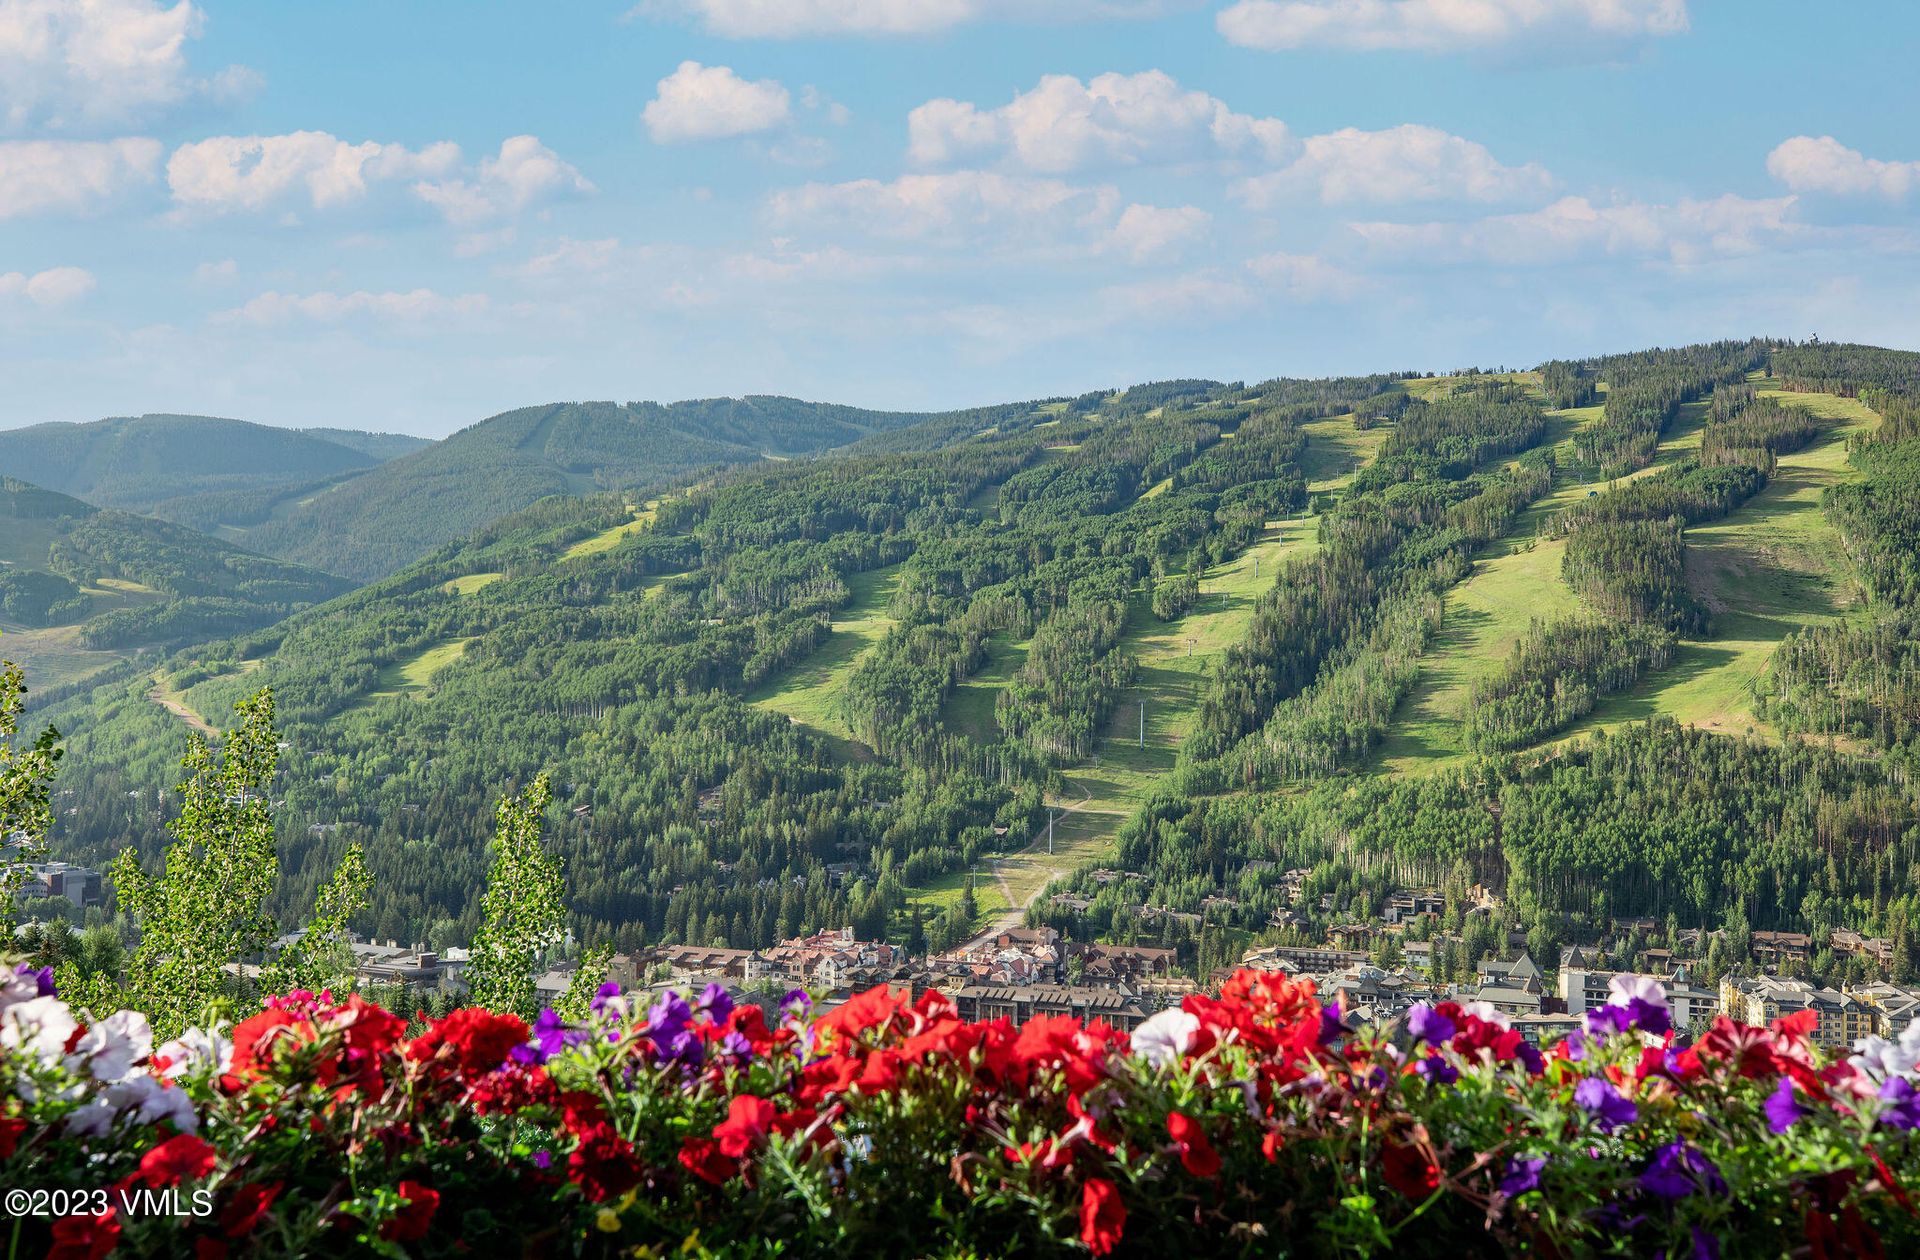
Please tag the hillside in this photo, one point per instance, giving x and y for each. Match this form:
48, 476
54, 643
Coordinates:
81, 586
140, 463
368, 525
1380, 629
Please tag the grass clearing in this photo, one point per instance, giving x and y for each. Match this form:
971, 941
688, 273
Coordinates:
608, 539
414, 676
470, 583
1336, 450
809, 692
1765, 570
173, 700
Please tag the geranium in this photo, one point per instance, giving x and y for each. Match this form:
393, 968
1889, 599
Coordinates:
247, 1208
85, 1237
748, 1121
472, 1040
181, 1158
1103, 1216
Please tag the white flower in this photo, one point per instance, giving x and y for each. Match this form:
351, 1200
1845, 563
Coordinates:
1164, 1037
195, 1049
37, 1028
150, 1101
1486, 1011
16, 988
91, 1119
1622, 990
1882, 1059
108, 1050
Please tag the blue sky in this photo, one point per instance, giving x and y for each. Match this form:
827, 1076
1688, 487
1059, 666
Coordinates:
410, 216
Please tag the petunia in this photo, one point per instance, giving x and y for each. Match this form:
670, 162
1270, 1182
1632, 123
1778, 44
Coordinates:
1904, 1109
1678, 1170
1609, 1108
1781, 1108
1429, 1025
716, 1002
181, 1158
1437, 1071
415, 1217
1166, 1036
1197, 1155
1522, 1175
1102, 1215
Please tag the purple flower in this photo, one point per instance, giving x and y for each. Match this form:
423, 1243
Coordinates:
796, 1004
1606, 1021
1706, 1245
1608, 1107
737, 1045
1905, 1111
1429, 1025
42, 979
1678, 1171
1437, 1070
715, 1002
1522, 1175
542, 1160
1782, 1111
606, 993
1529, 1056
1330, 1023
669, 1014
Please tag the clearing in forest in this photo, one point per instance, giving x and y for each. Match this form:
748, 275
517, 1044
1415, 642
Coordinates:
470, 583
608, 539
414, 675
809, 692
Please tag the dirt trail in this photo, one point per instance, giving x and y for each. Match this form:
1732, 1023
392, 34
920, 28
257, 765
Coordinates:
170, 700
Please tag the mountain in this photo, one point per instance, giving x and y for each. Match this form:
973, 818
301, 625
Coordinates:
1623, 640
81, 586
140, 463
381, 446
372, 523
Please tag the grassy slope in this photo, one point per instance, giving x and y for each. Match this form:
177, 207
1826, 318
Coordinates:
809, 692
1766, 570
608, 539
1176, 660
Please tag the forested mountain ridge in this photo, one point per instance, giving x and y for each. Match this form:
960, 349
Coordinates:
369, 525
1347, 625
141, 463
81, 586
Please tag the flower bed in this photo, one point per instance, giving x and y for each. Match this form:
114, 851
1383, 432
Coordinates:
1252, 1123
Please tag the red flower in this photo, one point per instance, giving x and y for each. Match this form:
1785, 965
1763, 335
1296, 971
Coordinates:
207, 1247
245, 1210
474, 1040
84, 1237
11, 1127
746, 1125
1408, 1170
604, 1164
255, 1039
1102, 1215
1197, 1155
182, 1158
702, 1158
417, 1206
1271, 1145
876, 1008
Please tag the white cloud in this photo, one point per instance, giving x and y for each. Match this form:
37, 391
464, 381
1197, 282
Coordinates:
955, 207
570, 258
37, 176
415, 307
699, 102
1111, 120
216, 273
1404, 163
524, 173
72, 63
1144, 233
1600, 27
55, 286
791, 19
1306, 277
222, 174
1805, 164
1573, 228
227, 174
